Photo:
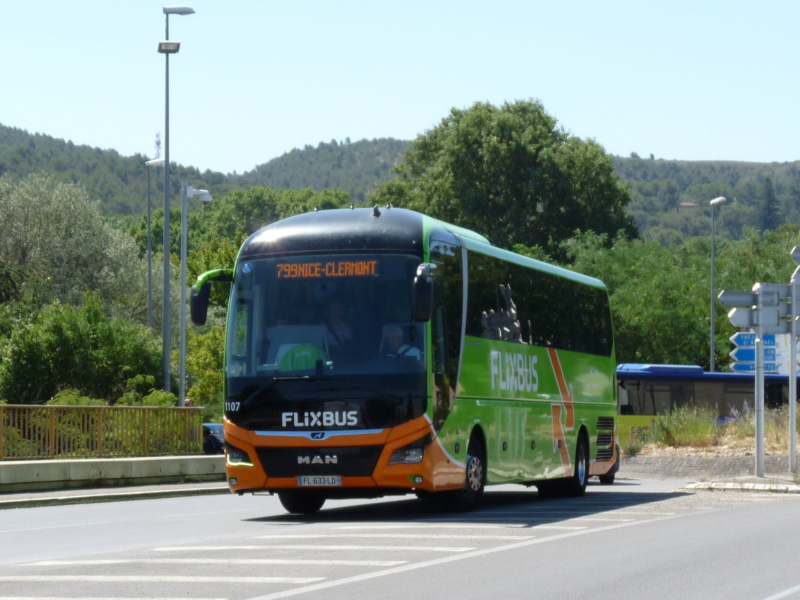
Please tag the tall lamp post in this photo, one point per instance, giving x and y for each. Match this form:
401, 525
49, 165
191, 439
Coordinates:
156, 162
713, 203
166, 48
205, 197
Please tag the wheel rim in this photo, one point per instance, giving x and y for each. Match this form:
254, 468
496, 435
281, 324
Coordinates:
581, 467
475, 474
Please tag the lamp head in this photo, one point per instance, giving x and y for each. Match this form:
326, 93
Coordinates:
168, 47
156, 162
178, 9
716, 201
205, 195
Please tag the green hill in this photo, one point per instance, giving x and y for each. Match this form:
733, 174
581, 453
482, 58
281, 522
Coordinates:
354, 167
669, 198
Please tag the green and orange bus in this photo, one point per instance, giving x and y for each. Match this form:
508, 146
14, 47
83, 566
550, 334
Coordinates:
377, 351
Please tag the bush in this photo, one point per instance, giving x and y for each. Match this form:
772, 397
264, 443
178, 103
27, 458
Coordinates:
687, 426
633, 443
72, 397
76, 347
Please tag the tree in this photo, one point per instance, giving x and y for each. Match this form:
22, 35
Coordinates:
660, 296
511, 174
78, 347
205, 361
769, 207
56, 245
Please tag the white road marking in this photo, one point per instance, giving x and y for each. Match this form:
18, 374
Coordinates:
784, 593
312, 548
219, 561
413, 536
153, 579
439, 561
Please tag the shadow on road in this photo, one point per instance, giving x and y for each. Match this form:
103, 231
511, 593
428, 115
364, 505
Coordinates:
521, 507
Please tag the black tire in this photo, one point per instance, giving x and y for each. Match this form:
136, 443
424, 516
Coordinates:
609, 477
302, 503
576, 485
469, 497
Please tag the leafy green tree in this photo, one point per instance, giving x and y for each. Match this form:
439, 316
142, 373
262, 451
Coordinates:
79, 347
243, 212
513, 175
769, 209
56, 245
72, 397
204, 360
660, 295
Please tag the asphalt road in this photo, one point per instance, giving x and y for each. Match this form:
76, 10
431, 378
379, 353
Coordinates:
635, 539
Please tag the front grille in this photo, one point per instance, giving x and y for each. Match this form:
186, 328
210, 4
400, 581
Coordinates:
347, 461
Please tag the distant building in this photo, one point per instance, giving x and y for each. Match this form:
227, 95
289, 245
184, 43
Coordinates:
686, 206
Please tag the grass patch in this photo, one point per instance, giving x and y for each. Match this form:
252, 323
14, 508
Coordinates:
687, 426
698, 428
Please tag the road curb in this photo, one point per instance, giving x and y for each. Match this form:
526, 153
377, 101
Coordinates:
94, 496
715, 486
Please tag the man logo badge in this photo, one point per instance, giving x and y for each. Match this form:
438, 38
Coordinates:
317, 435
328, 459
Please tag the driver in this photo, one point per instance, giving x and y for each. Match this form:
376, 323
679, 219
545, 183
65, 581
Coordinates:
396, 347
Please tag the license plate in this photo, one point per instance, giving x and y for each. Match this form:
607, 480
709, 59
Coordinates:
319, 480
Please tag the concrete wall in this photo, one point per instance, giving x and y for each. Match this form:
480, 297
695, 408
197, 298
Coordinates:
31, 475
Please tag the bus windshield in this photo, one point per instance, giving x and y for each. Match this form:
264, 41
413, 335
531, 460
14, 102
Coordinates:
323, 316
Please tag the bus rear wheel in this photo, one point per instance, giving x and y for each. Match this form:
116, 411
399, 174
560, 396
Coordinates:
576, 485
609, 477
303, 503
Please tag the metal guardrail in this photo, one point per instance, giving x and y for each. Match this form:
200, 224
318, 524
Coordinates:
51, 432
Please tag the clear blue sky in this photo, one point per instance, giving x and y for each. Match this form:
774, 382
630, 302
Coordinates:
692, 80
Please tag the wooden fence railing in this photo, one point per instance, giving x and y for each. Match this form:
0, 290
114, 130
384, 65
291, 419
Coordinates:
42, 432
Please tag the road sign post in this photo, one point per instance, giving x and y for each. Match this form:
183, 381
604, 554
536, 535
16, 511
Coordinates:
769, 309
794, 284
759, 383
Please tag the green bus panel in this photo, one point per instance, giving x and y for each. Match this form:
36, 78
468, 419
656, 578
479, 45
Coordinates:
530, 402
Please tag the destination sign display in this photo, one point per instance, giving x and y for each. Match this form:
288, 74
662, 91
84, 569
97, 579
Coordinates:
325, 269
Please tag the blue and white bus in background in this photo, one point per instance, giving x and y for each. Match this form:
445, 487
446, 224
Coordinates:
648, 390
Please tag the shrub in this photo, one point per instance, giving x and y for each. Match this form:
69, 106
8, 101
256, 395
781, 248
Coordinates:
76, 347
687, 426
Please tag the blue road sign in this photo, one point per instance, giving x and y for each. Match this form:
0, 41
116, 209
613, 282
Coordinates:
743, 367
750, 367
747, 339
749, 354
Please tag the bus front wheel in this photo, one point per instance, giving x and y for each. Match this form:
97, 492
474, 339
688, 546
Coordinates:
303, 503
471, 494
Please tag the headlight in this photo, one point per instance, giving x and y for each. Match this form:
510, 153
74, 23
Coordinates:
235, 456
411, 454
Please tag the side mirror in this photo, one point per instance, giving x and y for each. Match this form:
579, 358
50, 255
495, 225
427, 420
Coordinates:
422, 296
201, 291
198, 303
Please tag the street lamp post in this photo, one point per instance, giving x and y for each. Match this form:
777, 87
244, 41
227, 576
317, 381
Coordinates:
156, 162
166, 48
713, 203
205, 196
